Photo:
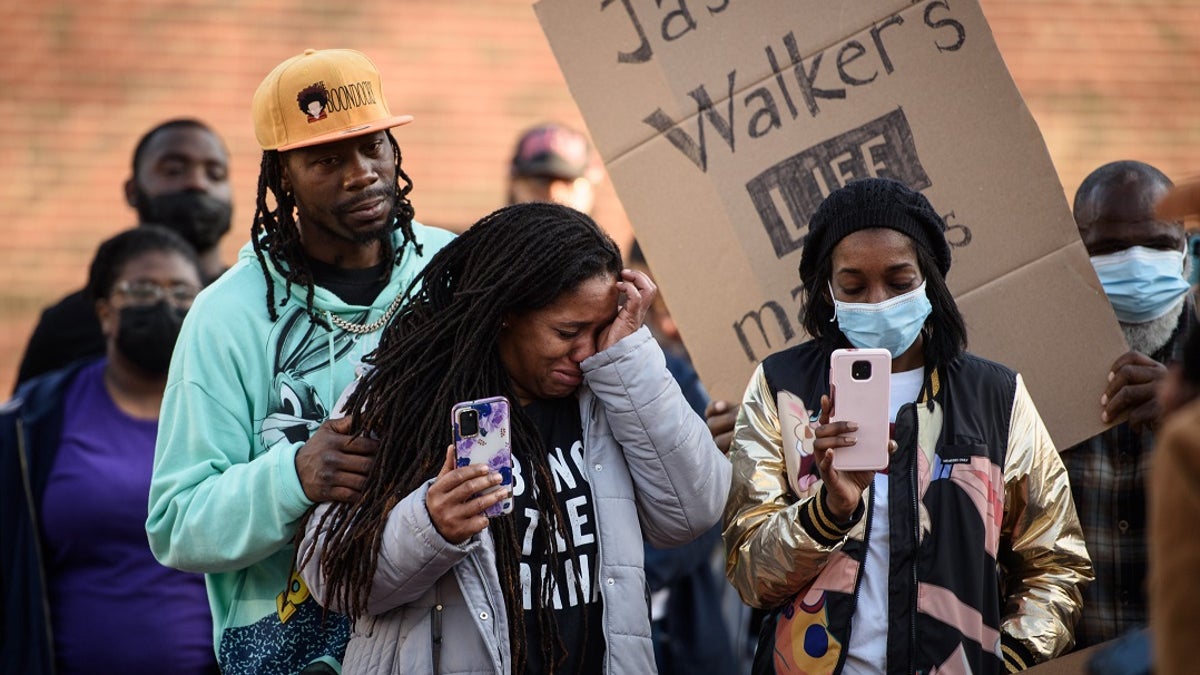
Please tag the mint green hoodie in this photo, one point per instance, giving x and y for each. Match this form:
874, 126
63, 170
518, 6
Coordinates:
243, 394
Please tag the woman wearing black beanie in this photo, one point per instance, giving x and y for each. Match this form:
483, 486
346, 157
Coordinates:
965, 553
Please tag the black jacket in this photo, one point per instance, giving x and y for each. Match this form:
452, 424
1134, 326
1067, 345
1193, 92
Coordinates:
30, 430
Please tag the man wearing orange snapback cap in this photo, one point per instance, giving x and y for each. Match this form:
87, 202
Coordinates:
245, 442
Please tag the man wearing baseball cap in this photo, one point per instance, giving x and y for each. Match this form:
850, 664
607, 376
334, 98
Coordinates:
553, 163
246, 444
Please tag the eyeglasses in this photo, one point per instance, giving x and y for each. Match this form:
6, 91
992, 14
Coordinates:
141, 292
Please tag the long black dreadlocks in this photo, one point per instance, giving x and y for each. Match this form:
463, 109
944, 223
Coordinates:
441, 349
276, 235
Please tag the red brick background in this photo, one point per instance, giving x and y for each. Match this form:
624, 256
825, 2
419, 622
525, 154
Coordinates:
1105, 79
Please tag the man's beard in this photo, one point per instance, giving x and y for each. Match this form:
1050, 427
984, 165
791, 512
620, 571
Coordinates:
381, 233
1151, 336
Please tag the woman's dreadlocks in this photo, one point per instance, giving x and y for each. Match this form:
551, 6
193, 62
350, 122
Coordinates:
441, 349
276, 235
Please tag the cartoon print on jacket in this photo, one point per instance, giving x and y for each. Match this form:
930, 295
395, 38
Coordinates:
299, 636
295, 409
798, 429
803, 643
266, 648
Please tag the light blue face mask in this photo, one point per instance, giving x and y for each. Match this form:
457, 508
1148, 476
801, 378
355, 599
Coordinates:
1142, 283
893, 324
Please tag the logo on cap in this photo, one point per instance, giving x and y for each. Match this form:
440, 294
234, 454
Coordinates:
313, 100
317, 101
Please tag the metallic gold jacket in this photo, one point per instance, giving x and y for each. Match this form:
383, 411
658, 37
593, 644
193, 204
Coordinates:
987, 558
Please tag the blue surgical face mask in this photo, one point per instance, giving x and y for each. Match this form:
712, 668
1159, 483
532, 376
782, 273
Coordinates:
1142, 283
893, 324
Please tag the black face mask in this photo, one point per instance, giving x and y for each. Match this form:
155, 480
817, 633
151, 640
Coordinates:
147, 334
197, 217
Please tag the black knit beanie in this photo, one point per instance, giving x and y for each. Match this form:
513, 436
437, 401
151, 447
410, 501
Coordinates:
872, 203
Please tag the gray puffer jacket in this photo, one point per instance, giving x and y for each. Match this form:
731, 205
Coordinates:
654, 472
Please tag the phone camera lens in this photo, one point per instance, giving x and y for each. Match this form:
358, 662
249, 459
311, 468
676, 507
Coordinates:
860, 370
468, 422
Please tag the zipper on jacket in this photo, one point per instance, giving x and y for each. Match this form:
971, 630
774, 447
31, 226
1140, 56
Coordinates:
36, 535
928, 390
586, 422
841, 663
914, 486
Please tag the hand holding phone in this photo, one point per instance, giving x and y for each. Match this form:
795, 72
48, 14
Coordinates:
860, 383
481, 436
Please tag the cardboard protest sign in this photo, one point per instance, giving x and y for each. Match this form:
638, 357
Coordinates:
724, 123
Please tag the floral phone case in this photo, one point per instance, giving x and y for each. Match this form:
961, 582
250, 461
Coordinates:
481, 436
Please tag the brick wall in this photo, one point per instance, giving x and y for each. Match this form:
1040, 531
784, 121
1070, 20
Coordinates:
1105, 79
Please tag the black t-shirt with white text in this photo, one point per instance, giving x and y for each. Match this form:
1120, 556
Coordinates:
575, 596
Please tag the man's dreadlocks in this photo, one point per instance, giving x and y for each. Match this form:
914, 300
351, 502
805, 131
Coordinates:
276, 235
442, 349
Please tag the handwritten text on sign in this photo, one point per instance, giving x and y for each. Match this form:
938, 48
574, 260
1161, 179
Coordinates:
856, 63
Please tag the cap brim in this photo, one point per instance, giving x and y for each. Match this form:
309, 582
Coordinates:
1180, 201
357, 130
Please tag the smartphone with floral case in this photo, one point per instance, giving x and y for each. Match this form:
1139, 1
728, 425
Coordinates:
481, 436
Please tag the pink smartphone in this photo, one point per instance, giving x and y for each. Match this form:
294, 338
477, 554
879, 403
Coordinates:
859, 387
481, 436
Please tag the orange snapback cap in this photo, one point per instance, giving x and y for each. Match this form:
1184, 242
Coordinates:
319, 97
